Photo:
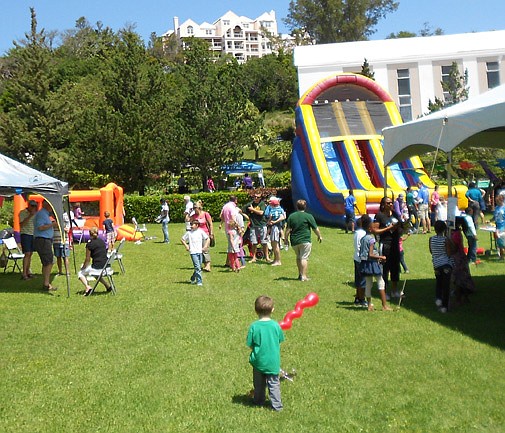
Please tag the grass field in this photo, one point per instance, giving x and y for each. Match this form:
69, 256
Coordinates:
166, 356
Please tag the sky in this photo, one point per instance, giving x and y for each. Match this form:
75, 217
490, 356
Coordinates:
452, 16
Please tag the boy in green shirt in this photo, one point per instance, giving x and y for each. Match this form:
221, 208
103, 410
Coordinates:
264, 338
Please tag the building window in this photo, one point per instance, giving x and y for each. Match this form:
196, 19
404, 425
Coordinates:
493, 74
226, 22
190, 30
446, 74
208, 32
404, 94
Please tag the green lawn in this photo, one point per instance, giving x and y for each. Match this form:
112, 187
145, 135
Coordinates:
165, 356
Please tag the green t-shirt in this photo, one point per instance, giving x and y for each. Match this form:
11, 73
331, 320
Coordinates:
265, 338
301, 224
256, 220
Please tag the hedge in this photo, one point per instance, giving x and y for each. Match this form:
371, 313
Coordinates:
146, 208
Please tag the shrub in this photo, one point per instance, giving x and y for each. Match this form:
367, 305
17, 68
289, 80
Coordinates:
6, 213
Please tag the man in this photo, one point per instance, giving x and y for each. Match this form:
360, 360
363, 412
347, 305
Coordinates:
247, 182
255, 210
298, 231
188, 211
424, 207
43, 242
412, 208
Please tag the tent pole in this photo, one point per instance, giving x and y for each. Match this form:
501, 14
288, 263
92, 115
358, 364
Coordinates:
449, 175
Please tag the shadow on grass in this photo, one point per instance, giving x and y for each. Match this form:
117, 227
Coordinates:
481, 319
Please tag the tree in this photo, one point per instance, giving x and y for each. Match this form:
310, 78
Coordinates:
215, 117
427, 30
271, 81
366, 71
328, 21
25, 116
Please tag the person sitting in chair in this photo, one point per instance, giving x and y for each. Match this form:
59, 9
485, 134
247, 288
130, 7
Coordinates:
96, 257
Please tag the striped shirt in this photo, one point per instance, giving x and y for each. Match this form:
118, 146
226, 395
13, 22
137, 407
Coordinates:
438, 251
27, 227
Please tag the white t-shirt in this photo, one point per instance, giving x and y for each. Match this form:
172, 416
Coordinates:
195, 239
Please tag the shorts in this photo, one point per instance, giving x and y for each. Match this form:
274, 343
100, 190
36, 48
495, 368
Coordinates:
359, 278
302, 251
423, 211
44, 248
60, 250
350, 217
111, 238
86, 271
275, 233
26, 243
258, 235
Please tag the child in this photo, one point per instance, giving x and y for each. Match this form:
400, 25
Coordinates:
234, 245
359, 280
461, 279
402, 253
196, 241
370, 264
441, 249
61, 249
110, 231
264, 338
275, 216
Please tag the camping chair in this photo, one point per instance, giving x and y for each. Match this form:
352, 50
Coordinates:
106, 272
119, 255
139, 229
13, 253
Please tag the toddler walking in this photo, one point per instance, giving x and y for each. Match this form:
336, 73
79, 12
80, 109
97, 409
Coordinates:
264, 338
370, 265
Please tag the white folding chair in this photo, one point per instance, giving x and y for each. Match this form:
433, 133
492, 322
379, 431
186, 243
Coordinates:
119, 256
139, 229
13, 254
106, 273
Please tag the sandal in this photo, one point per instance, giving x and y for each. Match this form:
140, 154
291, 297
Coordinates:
49, 288
88, 292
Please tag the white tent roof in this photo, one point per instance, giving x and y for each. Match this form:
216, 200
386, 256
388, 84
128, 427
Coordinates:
476, 122
16, 178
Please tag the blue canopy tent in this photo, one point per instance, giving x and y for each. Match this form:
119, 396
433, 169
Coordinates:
239, 168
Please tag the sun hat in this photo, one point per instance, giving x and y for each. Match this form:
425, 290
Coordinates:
274, 200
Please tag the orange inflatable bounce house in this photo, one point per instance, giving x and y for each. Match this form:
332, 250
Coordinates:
109, 198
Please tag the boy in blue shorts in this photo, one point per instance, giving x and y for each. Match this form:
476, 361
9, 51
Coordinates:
264, 338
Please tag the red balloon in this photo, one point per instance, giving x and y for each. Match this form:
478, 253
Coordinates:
297, 312
285, 325
311, 299
300, 305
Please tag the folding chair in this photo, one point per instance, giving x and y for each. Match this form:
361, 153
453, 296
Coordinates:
105, 272
13, 253
139, 229
119, 256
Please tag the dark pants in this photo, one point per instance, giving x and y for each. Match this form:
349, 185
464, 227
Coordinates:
443, 281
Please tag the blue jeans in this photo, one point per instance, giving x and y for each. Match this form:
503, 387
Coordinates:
197, 264
164, 228
472, 248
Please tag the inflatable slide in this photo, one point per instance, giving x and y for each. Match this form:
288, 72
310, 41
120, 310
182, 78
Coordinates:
338, 146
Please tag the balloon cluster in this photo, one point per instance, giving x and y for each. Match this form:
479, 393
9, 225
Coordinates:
309, 301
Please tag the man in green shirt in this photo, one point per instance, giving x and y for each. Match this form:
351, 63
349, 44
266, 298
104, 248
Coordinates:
255, 211
298, 231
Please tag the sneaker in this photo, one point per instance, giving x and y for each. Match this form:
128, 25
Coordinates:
407, 271
442, 310
363, 304
357, 301
199, 284
388, 298
438, 302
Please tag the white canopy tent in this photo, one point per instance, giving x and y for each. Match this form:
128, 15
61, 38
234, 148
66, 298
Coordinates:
476, 122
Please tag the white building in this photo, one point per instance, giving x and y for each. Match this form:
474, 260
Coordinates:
411, 69
239, 36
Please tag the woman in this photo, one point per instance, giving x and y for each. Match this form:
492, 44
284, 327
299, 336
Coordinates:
474, 197
387, 225
205, 223
461, 278
96, 257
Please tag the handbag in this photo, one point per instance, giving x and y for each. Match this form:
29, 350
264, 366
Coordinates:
3, 260
158, 219
212, 241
